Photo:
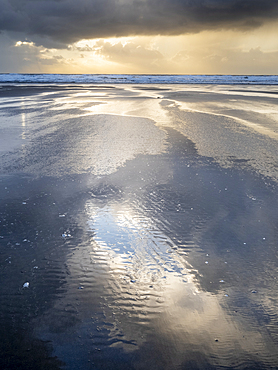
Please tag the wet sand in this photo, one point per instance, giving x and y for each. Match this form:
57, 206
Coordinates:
138, 227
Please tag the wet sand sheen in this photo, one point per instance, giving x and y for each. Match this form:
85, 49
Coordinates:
144, 221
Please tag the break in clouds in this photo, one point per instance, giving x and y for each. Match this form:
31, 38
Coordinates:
68, 21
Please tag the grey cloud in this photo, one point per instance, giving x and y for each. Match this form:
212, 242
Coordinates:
27, 57
129, 53
67, 21
225, 61
52, 61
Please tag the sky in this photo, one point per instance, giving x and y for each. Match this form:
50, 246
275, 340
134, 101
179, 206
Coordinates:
139, 36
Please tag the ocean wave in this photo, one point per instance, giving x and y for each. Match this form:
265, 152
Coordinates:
138, 79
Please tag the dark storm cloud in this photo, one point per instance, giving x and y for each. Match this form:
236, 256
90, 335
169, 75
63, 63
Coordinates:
67, 21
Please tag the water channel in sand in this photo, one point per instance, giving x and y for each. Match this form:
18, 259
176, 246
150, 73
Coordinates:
144, 219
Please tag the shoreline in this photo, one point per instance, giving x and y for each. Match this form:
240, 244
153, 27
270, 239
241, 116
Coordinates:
244, 80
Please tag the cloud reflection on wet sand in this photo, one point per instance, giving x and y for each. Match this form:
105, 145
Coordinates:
165, 256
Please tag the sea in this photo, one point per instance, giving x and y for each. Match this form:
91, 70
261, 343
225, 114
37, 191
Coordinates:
139, 79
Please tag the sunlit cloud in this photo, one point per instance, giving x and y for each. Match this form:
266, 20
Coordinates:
205, 52
20, 43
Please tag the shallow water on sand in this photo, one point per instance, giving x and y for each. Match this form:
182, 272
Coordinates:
144, 220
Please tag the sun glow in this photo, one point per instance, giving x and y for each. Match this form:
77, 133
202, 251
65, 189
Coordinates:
206, 52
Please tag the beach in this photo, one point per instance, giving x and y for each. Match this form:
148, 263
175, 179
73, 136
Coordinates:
138, 226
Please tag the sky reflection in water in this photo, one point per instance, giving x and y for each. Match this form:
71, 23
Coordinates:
166, 250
